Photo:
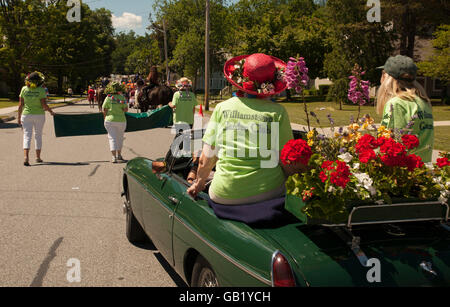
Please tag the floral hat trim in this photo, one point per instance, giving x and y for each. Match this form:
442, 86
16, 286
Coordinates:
184, 83
114, 88
35, 79
234, 73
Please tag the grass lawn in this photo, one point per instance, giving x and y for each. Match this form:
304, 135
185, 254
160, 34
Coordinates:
441, 138
5, 103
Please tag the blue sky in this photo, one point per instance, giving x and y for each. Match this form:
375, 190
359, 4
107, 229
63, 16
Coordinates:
127, 14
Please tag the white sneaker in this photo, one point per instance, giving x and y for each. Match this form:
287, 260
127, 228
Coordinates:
113, 160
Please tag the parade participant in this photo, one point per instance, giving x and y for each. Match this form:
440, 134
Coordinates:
31, 114
404, 102
247, 171
91, 96
183, 103
138, 93
153, 78
114, 108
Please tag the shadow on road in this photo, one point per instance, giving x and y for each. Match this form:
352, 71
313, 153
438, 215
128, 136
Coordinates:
9, 125
69, 163
174, 275
166, 266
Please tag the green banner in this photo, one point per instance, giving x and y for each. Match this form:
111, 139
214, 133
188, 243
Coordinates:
93, 123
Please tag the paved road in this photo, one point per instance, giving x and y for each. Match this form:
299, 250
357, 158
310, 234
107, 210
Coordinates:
70, 207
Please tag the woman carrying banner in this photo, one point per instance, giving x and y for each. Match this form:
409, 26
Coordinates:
114, 108
31, 114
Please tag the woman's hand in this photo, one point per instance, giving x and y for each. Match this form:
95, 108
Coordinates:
197, 187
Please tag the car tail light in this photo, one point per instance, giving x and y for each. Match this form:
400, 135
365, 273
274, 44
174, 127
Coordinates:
282, 275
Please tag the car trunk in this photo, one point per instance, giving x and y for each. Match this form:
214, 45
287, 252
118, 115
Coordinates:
322, 256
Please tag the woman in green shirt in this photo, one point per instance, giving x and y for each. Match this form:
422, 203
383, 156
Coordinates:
31, 114
405, 104
114, 108
245, 136
183, 103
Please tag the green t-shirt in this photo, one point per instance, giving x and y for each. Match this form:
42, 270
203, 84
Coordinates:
403, 112
244, 130
185, 103
32, 100
115, 108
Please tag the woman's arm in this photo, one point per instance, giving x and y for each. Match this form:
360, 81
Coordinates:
19, 111
208, 160
46, 107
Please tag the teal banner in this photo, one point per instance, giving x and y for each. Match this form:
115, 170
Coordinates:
93, 124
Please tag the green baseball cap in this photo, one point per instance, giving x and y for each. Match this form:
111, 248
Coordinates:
400, 67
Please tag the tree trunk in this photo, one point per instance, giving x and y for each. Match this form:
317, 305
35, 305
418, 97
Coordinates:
60, 83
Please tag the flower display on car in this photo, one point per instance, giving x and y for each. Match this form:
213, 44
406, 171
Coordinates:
362, 164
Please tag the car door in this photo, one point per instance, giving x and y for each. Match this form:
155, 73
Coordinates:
158, 210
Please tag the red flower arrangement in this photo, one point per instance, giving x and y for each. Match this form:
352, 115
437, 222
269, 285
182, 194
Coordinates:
337, 171
442, 162
296, 151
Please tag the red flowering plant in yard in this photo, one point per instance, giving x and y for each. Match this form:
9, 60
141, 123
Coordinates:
361, 164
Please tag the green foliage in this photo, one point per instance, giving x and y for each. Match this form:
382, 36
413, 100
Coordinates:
438, 66
324, 89
39, 37
355, 40
185, 24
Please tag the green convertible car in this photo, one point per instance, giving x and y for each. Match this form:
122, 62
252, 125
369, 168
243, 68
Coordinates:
406, 245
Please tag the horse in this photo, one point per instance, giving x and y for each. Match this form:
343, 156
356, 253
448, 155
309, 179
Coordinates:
159, 95
100, 96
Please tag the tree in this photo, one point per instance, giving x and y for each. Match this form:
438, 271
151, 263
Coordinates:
39, 37
282, 29
354, 41
438, 65
185, 25
412, 18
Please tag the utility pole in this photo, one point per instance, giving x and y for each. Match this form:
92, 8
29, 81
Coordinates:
207, 58
165, 49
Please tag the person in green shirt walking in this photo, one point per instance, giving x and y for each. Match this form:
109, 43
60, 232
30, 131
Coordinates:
31, 113
404, 104
183, 103
245, 136
114, 108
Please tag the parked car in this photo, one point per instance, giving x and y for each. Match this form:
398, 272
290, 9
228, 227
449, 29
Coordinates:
208, 251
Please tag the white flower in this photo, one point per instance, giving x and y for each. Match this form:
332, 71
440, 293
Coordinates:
347, 157
372, 190
355, 165
429, 165
331, 189
442, 199
437, 179
380, 202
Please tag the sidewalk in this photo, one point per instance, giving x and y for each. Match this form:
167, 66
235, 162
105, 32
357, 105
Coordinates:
11, 112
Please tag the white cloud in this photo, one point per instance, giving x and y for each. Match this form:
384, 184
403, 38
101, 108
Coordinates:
127, 21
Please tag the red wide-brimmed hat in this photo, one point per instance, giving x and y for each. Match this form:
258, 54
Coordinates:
256, 74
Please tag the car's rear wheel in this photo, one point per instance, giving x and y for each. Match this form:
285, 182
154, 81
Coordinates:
134, 231
203, 275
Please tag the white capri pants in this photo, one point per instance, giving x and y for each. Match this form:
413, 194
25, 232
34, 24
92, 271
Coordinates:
116, 132
30, 121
